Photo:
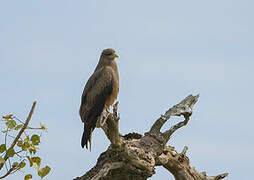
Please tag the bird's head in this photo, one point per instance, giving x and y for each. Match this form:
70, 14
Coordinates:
109, 54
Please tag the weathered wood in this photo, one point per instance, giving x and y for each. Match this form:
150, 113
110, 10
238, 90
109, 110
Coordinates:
134, 156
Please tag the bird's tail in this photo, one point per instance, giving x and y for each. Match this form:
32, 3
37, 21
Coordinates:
86, 137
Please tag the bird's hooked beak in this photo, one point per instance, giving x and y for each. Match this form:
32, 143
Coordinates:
115, 55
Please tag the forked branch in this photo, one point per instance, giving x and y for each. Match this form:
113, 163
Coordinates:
134, 156
184, 108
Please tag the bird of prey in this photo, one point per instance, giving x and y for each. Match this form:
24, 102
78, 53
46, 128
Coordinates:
99, 94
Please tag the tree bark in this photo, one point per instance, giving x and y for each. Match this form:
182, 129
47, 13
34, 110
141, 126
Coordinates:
134, 156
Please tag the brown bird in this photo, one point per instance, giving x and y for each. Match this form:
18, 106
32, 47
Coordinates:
99, 94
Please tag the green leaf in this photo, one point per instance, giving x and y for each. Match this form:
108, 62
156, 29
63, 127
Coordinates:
32, 150
2, 148
28, 176
35, 139
9, 116
26, 139
18, 127
11, 124
37, 161
44, 171
43, 127
22, 164
25, 146
10, 152
15, 164
2, 160
20, 143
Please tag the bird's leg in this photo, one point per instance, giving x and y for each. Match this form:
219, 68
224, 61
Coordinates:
102, 118
115, 107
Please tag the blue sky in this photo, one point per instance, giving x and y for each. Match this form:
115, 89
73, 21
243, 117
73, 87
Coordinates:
168, 50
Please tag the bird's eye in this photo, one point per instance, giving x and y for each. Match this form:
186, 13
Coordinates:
109, 54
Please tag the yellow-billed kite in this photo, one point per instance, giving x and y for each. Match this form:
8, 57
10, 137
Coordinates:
99, 93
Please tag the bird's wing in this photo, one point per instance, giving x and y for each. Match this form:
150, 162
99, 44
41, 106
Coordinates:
97, 90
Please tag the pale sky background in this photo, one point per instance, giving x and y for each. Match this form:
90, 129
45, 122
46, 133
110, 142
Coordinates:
168, 50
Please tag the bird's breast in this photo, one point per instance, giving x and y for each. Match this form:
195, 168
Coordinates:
113, 95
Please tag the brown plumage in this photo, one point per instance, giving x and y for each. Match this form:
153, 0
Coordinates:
99, 93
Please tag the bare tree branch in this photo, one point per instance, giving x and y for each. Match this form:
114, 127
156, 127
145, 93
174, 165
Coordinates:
8, 172
24, 126
169, 132
134, 156
20, 132
111, 127
179, 165
185, 107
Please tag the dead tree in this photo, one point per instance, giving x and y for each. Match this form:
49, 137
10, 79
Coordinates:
134, 156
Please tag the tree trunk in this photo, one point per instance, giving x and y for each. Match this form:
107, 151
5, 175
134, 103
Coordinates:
134, 157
